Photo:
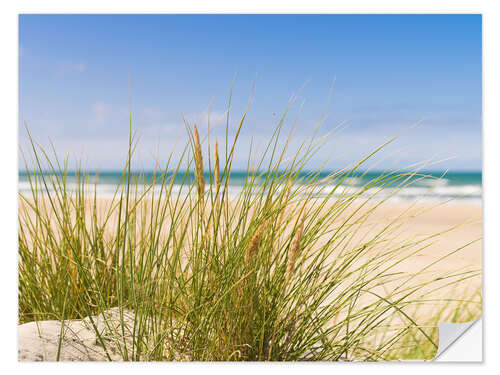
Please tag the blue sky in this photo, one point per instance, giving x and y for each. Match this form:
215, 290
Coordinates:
390, 72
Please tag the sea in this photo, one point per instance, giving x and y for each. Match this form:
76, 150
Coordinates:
458, 187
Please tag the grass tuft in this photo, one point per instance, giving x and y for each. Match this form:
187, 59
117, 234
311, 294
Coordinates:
293, 267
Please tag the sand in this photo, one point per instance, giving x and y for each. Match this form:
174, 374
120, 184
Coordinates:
39, 341
462, 221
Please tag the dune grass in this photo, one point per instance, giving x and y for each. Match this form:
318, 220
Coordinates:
285, 271
413, 345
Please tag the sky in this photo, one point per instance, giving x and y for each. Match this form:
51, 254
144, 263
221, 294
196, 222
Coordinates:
367, 78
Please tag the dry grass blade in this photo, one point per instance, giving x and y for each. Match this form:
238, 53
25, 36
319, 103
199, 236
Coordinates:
282, 212
294, 250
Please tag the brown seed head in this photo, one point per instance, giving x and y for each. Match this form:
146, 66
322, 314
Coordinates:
254, 243
216, 168
199, 165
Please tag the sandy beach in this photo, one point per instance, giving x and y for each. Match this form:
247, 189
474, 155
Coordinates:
426, 219
459, 224
457, 248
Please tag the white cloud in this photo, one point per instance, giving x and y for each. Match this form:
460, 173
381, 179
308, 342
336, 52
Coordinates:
101, 111
80, 67
153, 120
172, 127
72, 67
152, 113
215, 118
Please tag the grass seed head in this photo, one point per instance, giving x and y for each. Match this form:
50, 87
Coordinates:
216, 168
198, 159
254, 243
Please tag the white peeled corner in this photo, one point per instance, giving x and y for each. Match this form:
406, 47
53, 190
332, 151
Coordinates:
460, 342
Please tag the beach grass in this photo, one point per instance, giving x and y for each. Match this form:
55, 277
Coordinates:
284, 271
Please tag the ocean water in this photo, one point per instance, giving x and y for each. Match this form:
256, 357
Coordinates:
463, 187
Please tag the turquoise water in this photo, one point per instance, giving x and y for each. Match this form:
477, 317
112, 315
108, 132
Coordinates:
463, 186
